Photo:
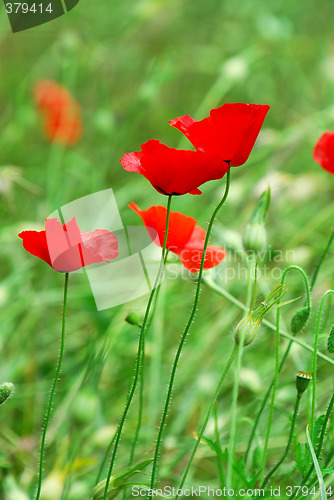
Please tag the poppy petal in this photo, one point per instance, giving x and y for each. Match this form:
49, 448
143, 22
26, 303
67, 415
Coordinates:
230, 131
35, 243
323, 152
66, 249
191, 258
180, 227
172, 171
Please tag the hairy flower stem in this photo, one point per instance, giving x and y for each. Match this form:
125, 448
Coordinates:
139, 355
285, 454
322, 258
281, 364
53, 390
233, 426
205, 423
185, 332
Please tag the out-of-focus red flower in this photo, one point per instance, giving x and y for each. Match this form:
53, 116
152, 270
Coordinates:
323, 152
174, 171
60, 112
66, 248
229, 132
184, 238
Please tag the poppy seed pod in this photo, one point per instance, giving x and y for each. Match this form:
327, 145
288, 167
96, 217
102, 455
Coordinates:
299, 319
330, 341
6, 390
248, 329
302, 381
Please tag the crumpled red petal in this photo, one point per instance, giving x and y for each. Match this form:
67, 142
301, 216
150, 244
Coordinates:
323, 152
191, 254
180, 227
172, 171
184, 238
230, 131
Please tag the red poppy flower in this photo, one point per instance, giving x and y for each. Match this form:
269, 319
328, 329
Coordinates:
185, 238
323, 152
229, 132
174, 171
66, 248
61, 114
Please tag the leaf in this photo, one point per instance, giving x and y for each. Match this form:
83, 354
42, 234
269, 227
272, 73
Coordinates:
323, 494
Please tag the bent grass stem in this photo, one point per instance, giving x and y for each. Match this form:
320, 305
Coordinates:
185, 332
53, 389
139, 355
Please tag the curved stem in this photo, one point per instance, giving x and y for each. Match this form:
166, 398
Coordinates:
185, 333
281, 460
205, 423
278, 367
233, 419
139, 355
53, 389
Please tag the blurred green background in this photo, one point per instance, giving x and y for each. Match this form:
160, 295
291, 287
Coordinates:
132, 66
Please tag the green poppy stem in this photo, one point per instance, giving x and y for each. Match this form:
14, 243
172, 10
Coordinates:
53, 390
285, 454
314, 361
205, 423
185, 333
139, 354
278, 368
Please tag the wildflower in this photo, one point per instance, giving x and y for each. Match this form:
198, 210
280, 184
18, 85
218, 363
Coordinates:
174, 171
229, 132
60, 113
184, 238
65, 248
323, 152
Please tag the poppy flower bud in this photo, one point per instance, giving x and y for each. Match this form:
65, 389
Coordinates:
302, 381
6, 390
299, 319
330, 341
255, 235
133, 319
85, 407
248, 329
